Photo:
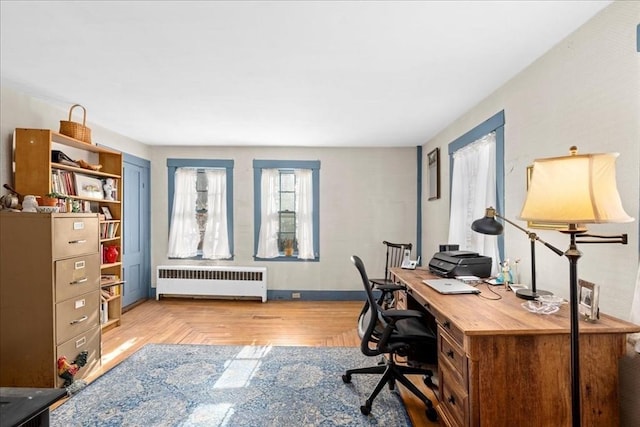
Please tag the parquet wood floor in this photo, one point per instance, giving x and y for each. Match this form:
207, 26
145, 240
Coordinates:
233, 322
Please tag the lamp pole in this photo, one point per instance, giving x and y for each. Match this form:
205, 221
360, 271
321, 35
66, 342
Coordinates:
573, 254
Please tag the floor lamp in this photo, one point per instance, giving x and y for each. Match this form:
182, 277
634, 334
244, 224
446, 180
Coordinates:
489, 225
575, 190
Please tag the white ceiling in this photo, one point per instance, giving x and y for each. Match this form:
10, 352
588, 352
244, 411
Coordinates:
276, 73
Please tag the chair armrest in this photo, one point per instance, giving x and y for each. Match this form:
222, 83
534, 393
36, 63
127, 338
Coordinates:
395, 315
390, 288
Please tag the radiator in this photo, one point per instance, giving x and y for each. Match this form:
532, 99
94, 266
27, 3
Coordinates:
211, 281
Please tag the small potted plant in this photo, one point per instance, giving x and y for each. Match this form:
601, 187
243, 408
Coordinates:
288, 247
50, 199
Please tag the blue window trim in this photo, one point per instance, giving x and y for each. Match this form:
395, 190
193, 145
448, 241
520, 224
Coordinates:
314, 165
173, 164
494, 123
419, 204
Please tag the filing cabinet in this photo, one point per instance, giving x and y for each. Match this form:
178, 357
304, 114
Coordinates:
49, 295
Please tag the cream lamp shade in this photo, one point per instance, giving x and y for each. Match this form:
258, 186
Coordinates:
574, 189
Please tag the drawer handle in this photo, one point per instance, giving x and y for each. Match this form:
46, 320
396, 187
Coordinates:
78, 241
450, 353
447, 324
452, 400
82, 341
427, 306
80, 320
77, 282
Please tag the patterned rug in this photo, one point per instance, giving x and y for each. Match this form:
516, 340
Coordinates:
200, 385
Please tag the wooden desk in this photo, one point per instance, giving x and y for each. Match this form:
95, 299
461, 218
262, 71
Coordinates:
500, 365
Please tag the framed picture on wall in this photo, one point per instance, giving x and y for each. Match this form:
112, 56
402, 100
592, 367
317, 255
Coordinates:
433, 173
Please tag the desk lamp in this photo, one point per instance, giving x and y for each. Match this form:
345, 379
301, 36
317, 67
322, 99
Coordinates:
489, 225
576, 190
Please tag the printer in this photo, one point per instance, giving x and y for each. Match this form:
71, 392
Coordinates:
460, 263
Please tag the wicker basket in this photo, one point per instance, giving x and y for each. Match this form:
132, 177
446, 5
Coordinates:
76, 130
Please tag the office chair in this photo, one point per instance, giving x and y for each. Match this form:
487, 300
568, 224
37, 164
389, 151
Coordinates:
394, 257
393, 333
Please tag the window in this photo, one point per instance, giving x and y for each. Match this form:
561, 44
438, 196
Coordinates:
287, 198
477, 182
200, 208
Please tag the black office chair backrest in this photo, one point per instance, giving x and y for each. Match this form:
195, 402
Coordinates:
395, 255
371, 324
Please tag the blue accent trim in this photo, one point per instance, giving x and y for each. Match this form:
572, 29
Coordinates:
479, 131
419, 204
494, 123
146, 215
286, 164
318, 295
173, 164
258, 165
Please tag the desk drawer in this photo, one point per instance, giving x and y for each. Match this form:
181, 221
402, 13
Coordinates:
77, 276
74, 236
451, 354
448, 326
76, 315
401, 300
89, 341
453, 398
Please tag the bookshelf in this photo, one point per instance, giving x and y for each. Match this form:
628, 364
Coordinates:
81, 184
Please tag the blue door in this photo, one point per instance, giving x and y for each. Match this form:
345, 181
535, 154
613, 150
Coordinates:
136, 257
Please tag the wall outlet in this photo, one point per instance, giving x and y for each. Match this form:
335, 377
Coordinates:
295, 295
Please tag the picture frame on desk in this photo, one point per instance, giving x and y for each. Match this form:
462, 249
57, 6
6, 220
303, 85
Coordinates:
588, 296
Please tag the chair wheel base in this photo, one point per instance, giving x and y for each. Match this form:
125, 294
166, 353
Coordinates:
346, 378
432, 415
366, 408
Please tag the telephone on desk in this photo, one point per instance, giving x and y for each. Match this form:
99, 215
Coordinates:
407, 262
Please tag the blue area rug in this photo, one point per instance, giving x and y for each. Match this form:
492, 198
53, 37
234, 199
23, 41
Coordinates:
200, 385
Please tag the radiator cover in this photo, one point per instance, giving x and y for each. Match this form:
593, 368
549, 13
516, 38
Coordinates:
211, 281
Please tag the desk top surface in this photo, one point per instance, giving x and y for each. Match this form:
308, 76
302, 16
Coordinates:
497, 311
18, 405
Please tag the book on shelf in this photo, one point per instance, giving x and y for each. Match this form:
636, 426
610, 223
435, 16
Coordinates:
104, 312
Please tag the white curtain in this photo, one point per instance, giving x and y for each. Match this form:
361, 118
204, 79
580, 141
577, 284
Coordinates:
304, 213
183, 233
216, 238
473, 189
268, 236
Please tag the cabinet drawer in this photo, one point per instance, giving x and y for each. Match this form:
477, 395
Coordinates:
89, 341
74, 236
451, 354
76, 315
454, 399
77, 276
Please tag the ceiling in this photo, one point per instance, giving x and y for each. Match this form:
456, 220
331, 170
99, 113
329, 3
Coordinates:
276, 73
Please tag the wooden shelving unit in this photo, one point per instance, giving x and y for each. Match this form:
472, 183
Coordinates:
35, 173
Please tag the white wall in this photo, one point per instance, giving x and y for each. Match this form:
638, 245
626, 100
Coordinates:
367, 195
584, 92
20, 110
